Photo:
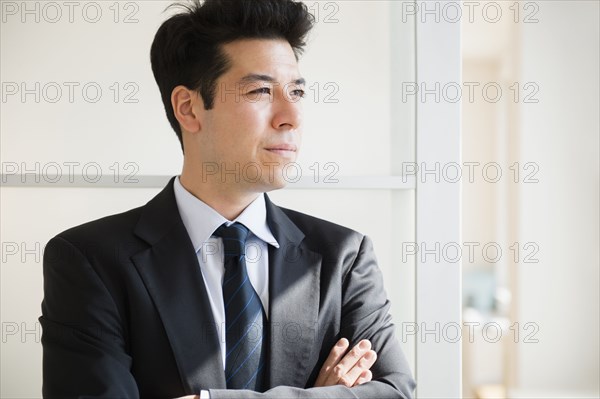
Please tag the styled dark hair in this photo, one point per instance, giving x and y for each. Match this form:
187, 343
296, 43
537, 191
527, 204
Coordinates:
187, 48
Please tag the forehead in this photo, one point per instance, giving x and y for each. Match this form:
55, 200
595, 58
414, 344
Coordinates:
262, 56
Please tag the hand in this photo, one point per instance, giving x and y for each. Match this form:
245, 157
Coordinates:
349, 370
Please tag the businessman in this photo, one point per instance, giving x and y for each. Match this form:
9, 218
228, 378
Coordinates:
210, 289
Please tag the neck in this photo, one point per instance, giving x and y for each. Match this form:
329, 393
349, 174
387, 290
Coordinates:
227, 199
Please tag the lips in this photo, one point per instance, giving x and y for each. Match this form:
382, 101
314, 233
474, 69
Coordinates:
282, 148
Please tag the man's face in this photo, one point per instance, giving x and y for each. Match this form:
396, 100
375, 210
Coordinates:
254, 128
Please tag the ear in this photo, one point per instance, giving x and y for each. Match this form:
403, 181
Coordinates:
185, 107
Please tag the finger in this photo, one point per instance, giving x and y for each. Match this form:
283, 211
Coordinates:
366, 376
336, 354
364, 364
349, 360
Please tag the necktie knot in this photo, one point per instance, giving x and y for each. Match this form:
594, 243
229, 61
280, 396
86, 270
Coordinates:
234, 240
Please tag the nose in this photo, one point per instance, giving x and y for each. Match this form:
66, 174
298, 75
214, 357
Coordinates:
287, 111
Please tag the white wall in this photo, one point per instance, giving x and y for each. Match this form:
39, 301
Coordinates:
560, 213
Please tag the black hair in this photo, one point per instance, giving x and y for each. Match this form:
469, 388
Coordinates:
187, 48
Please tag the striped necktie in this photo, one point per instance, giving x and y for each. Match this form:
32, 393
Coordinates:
244, 315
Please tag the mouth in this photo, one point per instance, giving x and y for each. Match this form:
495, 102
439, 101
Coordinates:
283, 149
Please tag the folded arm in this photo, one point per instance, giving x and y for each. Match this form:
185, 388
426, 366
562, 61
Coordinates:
85, 350
365, 315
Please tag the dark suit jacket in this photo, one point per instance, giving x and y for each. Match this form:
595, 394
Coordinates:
126, 314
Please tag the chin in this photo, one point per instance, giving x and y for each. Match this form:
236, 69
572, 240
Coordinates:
271, 177
275, 184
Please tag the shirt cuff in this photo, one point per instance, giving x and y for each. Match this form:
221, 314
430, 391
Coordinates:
204, 394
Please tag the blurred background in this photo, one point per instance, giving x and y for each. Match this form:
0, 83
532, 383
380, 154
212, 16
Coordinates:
83, 135
542, 133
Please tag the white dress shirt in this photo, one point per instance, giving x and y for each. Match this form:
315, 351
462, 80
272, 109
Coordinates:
201, 221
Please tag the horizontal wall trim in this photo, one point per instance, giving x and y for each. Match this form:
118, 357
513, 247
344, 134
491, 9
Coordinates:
159, 181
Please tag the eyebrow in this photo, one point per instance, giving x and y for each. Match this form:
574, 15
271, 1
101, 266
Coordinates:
255, 77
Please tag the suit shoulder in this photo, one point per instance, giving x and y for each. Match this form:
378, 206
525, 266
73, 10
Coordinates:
113, 227
316, 228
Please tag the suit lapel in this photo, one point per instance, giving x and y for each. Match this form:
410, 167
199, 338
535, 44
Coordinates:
294, 282
170, 271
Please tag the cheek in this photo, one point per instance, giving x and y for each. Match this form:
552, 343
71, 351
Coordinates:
252, 112
240, 125
239, 137
248, 124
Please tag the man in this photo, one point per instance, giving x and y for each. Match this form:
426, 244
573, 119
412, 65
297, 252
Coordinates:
210, 288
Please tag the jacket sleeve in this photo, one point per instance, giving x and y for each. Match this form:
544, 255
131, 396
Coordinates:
84, 349
364, 315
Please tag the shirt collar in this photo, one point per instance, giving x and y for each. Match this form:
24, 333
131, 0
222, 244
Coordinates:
201, 220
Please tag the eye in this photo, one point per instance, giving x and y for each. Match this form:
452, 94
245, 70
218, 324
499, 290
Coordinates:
298, 93
262, 90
